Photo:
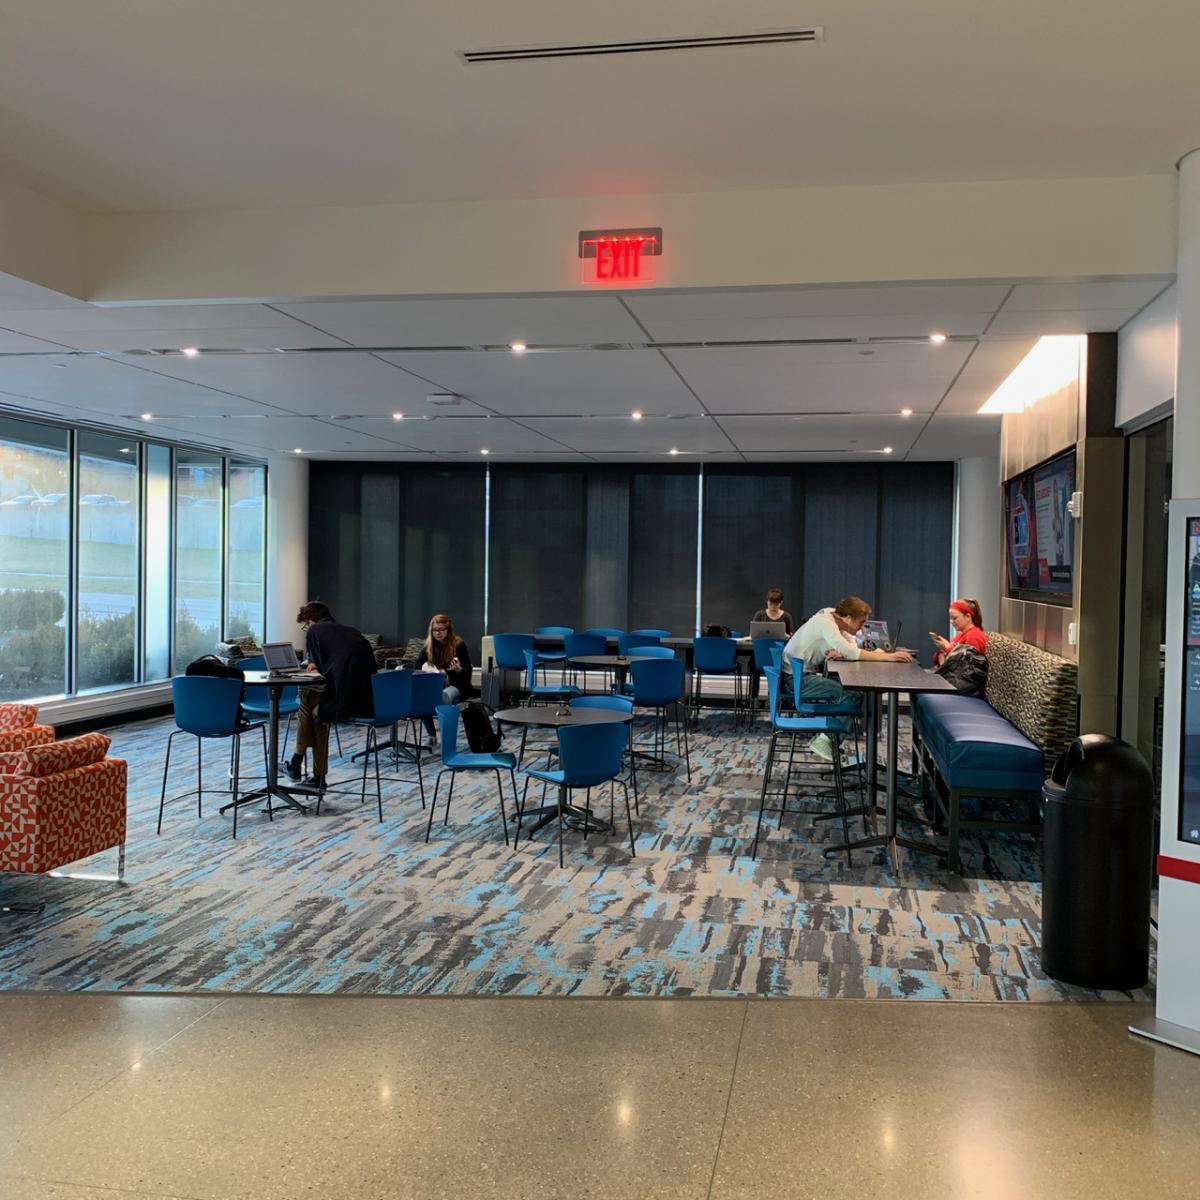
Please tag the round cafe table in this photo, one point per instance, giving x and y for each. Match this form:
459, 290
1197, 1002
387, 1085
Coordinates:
615, 662
556, 716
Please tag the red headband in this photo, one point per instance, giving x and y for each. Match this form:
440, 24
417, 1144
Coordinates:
963, 607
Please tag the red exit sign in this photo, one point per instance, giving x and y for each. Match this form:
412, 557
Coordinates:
619, 257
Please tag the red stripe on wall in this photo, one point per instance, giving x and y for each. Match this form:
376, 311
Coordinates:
1179, 868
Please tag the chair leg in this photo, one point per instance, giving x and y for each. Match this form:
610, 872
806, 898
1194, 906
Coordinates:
437, 783
362, 793
449, 797
162, 800
762, 800
687, 753
520, 809
337, 733
378, 787
629, 818
199, 777
287, 730
562, 795
236, 751
839, 785
512, 776
121, 862
503, 818
266, 776
787, 780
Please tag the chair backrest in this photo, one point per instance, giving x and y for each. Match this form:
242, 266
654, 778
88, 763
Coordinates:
772, 676
579, 644
508, 650
631, 641
259, 692
392, 691
777, 657
530, 669
252, 662
606, 633
658, 633
553, 631
763, 652
654, 651
205, 704
427, 688
611, 703
714, 653
656, 681
448, 725
590, 754
796, 666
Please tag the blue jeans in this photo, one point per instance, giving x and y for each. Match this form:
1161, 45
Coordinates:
825, 689
450, 695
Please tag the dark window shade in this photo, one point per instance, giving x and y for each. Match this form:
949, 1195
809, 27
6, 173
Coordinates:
841, 506
916, 528
753, 525
539, 537
334, 539
606, 587
663, 512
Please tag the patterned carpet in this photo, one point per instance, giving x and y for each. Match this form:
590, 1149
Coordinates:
340, 903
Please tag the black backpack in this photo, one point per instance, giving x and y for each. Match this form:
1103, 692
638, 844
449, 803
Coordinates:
716, 631
477, 724
210, 664
966, 670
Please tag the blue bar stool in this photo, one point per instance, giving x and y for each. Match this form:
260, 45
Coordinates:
454, 760
764, 656
716, 656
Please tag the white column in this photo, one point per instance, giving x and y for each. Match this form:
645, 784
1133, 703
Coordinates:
287, 544
977, 551
1178, 993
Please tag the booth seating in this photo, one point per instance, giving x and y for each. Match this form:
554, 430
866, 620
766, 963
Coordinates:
19, 728
60, 802
1001, 746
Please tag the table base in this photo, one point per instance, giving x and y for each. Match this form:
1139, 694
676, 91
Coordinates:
574, 817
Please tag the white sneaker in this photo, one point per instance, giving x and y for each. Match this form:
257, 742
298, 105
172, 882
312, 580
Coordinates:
822, 747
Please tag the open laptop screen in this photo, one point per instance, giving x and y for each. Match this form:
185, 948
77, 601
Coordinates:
280, 656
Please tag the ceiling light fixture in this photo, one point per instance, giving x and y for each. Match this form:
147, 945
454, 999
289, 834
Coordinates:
59, 366
887, 449
397, 416
297, 450
1053, 363
906, 412
673, 451
518, 347
484, 451
147, 416
190, 352
937, 338
125, 450
636, 414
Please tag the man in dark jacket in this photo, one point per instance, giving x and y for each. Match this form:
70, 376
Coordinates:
346, 661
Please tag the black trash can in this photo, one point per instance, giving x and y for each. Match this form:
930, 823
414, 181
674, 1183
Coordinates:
1098, 836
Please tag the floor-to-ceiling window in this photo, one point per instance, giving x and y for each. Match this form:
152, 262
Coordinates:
106, 598
246, 549
35, 558
199, 485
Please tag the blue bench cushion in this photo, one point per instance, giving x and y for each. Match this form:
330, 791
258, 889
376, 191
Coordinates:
974, 746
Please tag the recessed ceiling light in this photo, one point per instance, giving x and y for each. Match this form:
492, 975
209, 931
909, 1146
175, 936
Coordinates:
673, 450
937, 338
906, 412
397, 416
147, 416
190, 352
59, 366
887, 449
297, 450
484, 451
636, 414
517, 347
866, 353
125, 450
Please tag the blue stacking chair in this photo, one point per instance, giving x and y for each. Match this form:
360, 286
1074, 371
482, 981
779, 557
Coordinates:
655, 633
395, 696
793, 727
508, 650
562, 631
590, 755
764, 656
620, 704
454, 760
544, 691
629, 642
605, 632
716, 656
210, 708
578, 645
648, 652
658, 685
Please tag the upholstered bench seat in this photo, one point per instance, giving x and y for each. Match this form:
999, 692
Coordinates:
974, 746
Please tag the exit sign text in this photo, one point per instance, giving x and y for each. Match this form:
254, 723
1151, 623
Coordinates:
619, 257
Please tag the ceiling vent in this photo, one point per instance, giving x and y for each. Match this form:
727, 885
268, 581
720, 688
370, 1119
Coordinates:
443, 399
772, 37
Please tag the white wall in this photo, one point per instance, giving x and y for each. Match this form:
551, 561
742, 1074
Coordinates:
978, 553
287, 544
1146, 362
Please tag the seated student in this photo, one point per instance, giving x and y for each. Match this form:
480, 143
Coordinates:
775, 612
445, 651
967, 618
830, 634
344, 657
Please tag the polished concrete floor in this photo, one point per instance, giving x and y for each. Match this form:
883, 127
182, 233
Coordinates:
337, 1097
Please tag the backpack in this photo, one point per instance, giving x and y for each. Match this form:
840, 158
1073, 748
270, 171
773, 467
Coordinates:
477, 724
210, 664
966, 670
716, 631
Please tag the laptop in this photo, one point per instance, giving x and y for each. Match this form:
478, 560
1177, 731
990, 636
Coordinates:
872, 635
281, 658
771, 629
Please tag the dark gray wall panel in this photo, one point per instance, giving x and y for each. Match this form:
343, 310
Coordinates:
841, 511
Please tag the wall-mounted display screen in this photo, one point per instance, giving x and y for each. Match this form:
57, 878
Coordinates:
1040, 532
1189, 766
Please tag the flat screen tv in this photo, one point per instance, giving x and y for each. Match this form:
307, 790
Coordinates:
1040, 532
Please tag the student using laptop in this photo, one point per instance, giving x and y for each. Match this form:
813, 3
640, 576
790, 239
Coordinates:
775, 612
830, 634
345, 659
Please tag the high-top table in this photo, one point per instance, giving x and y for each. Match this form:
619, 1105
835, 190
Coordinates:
874, 679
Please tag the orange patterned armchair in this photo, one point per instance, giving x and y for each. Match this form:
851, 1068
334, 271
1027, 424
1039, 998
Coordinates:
61, 802
18, 727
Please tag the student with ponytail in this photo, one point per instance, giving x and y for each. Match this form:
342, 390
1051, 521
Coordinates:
967, 619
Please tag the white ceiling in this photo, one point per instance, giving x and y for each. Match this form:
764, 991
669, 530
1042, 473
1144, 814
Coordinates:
143, 107
350, 365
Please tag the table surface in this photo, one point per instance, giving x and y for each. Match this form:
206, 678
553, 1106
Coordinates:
265, 678
547, 716
610, 660
888, 677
